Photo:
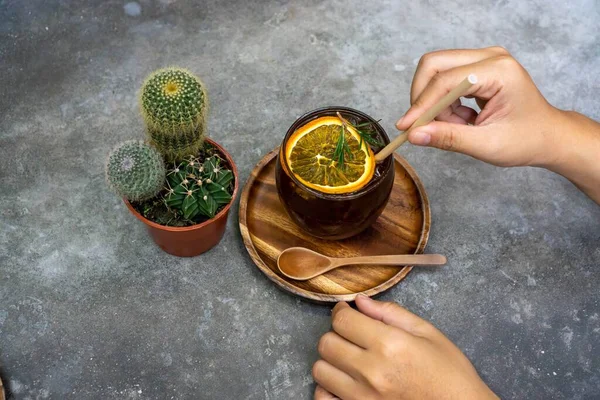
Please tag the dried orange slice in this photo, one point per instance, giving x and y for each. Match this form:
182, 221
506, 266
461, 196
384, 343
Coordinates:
310, 157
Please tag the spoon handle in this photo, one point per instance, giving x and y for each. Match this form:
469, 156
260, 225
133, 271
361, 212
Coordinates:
403, 259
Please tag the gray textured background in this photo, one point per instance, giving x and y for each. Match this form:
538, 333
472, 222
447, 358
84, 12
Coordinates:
91, 308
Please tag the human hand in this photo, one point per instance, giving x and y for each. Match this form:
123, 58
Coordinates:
516, 125
383, 351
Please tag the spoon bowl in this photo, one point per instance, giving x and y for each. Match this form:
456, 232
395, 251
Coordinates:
302, 264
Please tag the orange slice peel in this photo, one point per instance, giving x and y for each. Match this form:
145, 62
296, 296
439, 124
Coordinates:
310, 157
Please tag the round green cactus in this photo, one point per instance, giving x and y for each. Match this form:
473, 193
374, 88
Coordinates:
135, 170
174, 104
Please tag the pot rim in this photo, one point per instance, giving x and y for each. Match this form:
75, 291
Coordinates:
221, 213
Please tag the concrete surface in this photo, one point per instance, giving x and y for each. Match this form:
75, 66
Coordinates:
91, 309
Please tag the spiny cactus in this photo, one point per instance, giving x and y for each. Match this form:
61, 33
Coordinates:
135, 170
174, 105
196, 188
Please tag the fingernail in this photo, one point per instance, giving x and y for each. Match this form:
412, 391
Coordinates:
399, 123
363, 297
420, 138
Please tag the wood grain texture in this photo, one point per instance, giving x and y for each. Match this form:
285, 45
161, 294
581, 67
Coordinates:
403, 228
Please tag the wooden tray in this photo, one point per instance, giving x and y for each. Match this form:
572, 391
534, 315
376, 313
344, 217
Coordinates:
267, 230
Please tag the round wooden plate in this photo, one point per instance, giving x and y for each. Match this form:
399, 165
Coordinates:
267, 230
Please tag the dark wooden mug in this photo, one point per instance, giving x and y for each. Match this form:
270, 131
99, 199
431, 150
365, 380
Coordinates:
335, 216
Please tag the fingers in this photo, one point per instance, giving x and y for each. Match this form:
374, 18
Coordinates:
392, 314
449, 114
438, 61
476, 141
356, 327
454, 114
467, 114
340, 353
335, 381
322, 394
491, 74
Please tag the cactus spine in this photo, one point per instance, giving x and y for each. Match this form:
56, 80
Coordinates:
135, 170
174, 105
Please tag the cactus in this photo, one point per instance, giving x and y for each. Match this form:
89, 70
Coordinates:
196, 188
174, 104
135, 170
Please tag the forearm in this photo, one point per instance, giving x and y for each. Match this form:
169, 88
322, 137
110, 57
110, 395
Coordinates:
578, 150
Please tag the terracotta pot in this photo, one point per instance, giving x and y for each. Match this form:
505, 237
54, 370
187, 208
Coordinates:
192, 240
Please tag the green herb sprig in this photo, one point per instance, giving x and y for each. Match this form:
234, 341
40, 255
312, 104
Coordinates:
367, 137
342, 149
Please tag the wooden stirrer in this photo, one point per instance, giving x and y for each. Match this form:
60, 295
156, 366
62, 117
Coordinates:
428, 116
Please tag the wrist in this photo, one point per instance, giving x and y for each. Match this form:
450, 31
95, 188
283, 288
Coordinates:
576, 150
547, 130
577, 141
555, 131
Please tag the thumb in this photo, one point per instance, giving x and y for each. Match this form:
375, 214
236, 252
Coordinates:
465, 139
392, 314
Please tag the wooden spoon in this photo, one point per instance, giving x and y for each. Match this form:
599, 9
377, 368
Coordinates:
302, 264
